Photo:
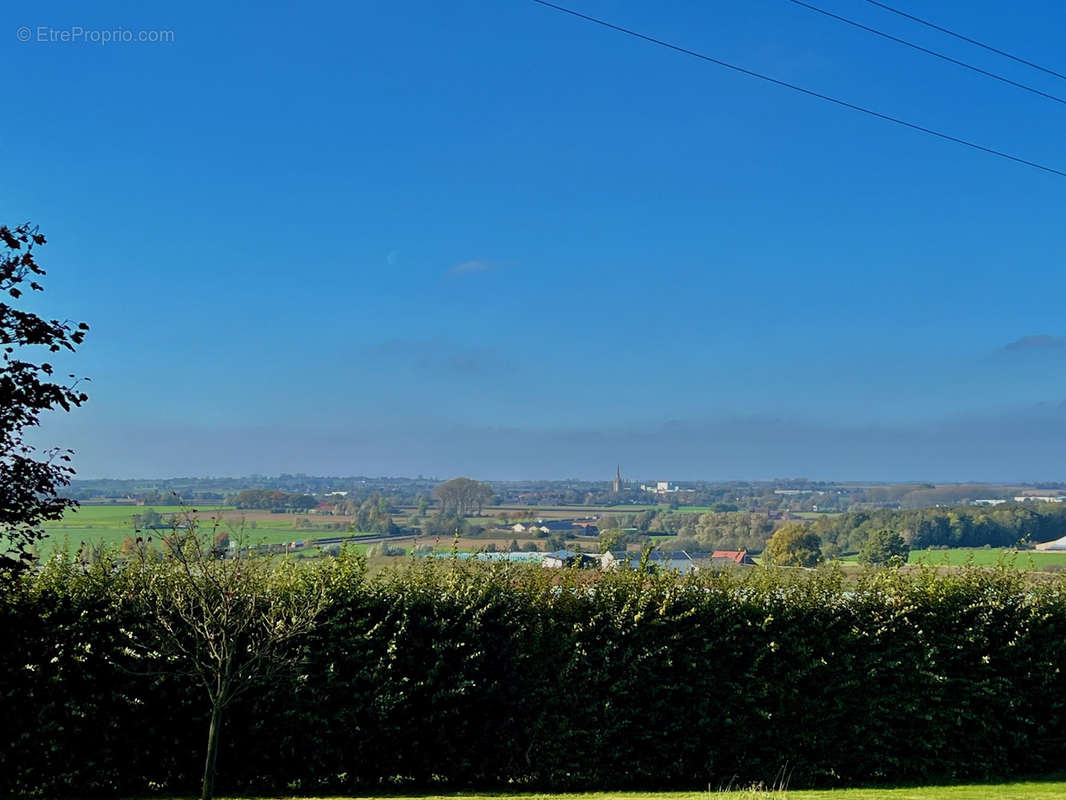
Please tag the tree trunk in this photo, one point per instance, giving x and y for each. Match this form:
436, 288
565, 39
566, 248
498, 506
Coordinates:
207, 789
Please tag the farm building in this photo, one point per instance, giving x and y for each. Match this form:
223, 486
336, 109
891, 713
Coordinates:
1058, 544
679, 561
730, 558
545, 526
568, 558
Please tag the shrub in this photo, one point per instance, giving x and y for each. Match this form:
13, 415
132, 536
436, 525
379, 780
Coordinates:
462, 673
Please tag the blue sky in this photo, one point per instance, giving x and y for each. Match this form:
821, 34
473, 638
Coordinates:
487, 238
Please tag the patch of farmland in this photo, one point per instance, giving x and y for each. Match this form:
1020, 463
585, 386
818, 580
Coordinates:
988, 557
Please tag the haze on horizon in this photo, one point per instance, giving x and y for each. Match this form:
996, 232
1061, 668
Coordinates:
403, 239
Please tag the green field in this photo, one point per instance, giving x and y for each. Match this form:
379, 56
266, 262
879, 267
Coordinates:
988, 557
981, 557
110, 525
1004, 791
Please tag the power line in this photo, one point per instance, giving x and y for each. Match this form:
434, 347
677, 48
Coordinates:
988, 47
809, 92
890, 37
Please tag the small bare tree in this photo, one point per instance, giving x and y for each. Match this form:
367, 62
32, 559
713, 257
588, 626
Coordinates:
222, 617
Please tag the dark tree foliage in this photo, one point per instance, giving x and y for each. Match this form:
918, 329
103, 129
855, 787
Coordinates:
29, 479
884, 547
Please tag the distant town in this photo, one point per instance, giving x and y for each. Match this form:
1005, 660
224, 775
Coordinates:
779, 495
675, 525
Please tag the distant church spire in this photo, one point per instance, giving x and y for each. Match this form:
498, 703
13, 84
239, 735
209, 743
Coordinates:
617, 487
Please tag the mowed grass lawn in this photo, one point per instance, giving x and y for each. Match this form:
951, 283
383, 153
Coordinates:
1038, 790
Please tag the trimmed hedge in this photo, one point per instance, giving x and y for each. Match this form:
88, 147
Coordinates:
465, 674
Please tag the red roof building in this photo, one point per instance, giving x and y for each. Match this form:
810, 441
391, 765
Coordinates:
739, 557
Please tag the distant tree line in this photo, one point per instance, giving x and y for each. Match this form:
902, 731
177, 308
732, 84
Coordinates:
714, 530
187, 497
372, 514
779, 495
794, 544
400, 491
1004, 525
462, 496
272, 500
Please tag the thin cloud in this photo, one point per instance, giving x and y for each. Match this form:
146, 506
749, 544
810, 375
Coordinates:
439, 357
1038, 342
469, 267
